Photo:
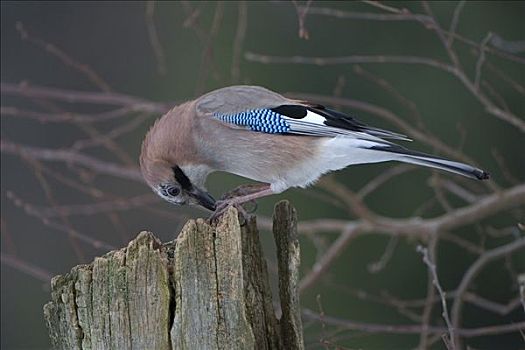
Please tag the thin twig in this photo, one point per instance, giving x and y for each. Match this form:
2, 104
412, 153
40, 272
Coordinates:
154, 38
68, 117
380, 264
52, 201
433, 270
301, 17
375, 328
64, 57
481, 59
379, 59
242, 24
72, 96
72, 157
331, 254
454, 22
441, 35
97, 244
426, 21
429, 301
27, 268
113, 134
521, 283
473, 271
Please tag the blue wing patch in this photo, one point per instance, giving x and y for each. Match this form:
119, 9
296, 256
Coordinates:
262, 120
301, 120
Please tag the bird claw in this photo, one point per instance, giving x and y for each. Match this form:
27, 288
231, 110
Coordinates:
241, 191
222, 207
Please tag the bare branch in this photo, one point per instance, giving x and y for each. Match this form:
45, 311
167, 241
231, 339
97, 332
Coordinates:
380, 264
154, 38
242, 23
60, 227
95, 208
429, 301
515, 47
27, 268
66, 116
72, 96
473, 271
411, 329
331, 254
454, 22
455, 71
521, 282
481, 59
72, 157
433, 271
64, 58
301, 17
324, 61
417, 227
113, 134
504, 50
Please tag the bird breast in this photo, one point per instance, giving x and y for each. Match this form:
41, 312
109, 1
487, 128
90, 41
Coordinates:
281, 160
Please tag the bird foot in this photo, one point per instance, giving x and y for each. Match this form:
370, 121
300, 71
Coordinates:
223, 205
241, 191
241, 195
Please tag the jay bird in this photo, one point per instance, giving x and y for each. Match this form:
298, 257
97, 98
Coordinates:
261, 135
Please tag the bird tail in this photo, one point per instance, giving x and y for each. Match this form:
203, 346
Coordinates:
419, 158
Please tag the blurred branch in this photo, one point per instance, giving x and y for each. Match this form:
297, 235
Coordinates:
72, 157
423, 228
410, 329
240, 34
481, 60
63, 57
60, 227
322, 264
435, 281
454, 22
71, 96
27, 268
459, 74
485, 207
427, 23
426, 315
473, 271
94, 208
405, 306
154, 38
66, 116
301, 17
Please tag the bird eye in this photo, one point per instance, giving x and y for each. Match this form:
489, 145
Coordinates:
173, 191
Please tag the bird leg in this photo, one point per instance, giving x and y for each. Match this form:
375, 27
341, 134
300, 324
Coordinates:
243, 190
262, 190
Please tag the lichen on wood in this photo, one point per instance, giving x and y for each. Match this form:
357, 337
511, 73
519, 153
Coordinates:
209, 289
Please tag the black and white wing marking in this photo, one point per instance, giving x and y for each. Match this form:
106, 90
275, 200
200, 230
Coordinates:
304, 120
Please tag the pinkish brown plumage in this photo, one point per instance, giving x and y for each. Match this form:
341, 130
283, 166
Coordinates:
258, 134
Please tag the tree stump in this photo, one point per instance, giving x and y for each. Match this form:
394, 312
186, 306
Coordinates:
208, 289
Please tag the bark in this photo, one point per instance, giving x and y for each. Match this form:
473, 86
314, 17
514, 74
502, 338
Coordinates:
208, 289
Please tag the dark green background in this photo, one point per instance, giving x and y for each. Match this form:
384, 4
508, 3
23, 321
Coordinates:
112, 38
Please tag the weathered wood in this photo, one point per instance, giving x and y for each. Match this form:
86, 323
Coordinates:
209, 289
288, 259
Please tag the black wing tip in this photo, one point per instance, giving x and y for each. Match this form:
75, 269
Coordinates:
482, 175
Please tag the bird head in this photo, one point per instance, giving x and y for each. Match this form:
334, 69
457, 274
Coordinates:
168, 168
176, 184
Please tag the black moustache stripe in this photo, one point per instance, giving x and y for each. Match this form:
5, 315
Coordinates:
181, 178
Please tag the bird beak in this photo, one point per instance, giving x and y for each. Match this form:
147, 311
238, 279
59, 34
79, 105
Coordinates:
203, 198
